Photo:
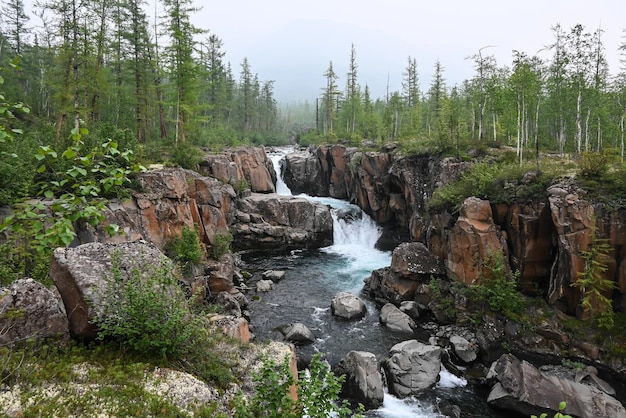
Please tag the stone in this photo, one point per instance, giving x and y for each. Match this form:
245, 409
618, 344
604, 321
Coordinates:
30, 312
235, 327
412, 367
364, 382
273, 275
411, 308
297, 333
347, 306
525, 390
264, 285
80, 274
412, 260
395, 320
465, 350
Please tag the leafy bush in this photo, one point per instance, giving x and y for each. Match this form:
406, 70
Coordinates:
593, 164
593, 284
146, 314
185, 249
186, 156
497, 290
221, 244
318, 393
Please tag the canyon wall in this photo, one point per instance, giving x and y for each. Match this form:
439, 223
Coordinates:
542, 238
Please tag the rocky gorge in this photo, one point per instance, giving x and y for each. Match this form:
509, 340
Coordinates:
233, 193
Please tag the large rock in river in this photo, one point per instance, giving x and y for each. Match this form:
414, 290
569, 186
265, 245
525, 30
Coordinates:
364, 382
346, 305
274, 222
412, 367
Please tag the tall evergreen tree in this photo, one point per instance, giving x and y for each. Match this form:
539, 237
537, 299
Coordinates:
330, 97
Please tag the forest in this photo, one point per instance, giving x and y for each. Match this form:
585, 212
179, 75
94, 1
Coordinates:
163, 84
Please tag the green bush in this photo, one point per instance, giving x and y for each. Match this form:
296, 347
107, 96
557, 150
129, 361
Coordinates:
186, 156
318, 393
593, 164
185, 249
146, 314
221, 244
497, 290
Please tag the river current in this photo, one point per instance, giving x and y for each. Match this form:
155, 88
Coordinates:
313, 278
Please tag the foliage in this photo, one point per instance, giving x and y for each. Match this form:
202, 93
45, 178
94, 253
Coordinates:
593, 164
186, 156
594, 285
317, 388
490, 180
497, 289
8, 110
146, 313
71, 185
559, 414
442, 297
185, 249
221, 244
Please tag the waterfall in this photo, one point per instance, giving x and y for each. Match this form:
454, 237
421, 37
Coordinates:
312, 280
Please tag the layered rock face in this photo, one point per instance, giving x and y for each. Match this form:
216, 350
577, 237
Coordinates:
392, 191
542, 239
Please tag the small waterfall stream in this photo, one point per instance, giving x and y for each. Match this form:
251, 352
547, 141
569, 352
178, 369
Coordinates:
314, 277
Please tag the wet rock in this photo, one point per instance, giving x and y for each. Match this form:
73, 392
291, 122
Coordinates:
29, 312
411, 308
273, 275
347, 306
396, 320
297, 333
412, 367
364, 382
264, 285
525, 390
465, 350
282, 223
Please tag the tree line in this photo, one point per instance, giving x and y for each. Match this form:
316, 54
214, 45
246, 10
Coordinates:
108, 61
569, 102
164, 78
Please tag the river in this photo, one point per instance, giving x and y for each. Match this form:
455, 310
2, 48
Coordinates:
313, 278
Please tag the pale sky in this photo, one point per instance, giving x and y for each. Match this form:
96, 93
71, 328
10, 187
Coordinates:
386, 32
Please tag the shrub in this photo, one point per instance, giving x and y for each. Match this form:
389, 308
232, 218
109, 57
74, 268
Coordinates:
186, 156
185, 249
593, 164
497, 289
221, 244
146, 314
318, 393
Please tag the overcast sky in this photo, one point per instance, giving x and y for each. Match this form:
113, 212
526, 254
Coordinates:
292, 41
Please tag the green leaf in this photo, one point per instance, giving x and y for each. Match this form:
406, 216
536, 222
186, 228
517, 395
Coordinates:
49, 194
69, 153
562, 405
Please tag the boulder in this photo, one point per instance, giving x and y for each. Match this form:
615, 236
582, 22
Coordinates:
29, 312
235, 327
264, 286
364, 382
347, 306
297, 333
412, 367
303, 174
411, 308
525, 390
465, 350
413, 261
395, 320
282, 223
80, 274
273, 275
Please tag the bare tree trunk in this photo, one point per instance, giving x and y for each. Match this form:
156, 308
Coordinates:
579, 128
